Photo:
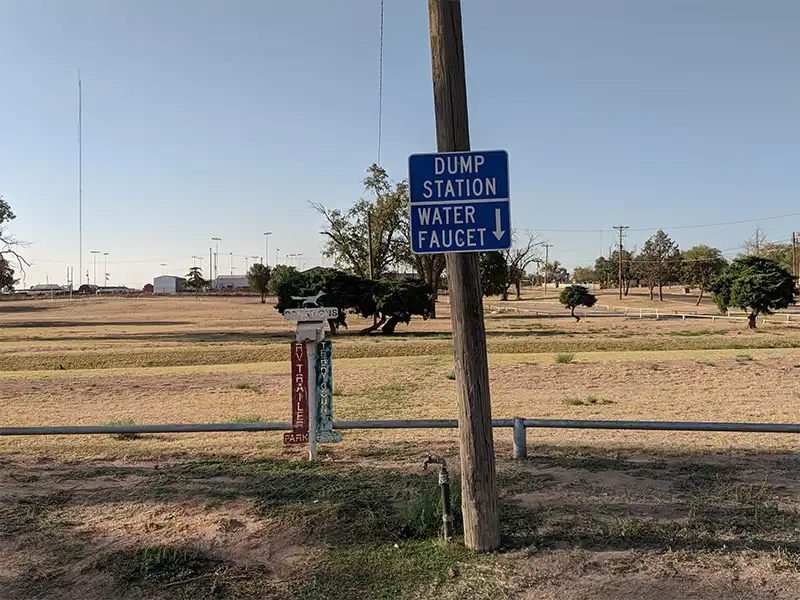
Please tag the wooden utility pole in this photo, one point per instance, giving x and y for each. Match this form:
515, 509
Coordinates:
621, 229
796, 254
546, 264
478, 480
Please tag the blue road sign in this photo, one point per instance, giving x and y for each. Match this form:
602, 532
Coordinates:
459, 202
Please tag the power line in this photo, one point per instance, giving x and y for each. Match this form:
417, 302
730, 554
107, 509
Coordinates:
696, 226
380, 92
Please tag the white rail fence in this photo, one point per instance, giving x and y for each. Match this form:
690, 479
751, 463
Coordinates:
644, 313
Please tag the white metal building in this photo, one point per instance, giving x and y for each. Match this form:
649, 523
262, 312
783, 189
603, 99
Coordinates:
231, 282
168, 284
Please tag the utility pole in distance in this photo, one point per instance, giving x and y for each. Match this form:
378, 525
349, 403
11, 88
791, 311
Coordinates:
546, 262
478, 479
796, 254
621, 229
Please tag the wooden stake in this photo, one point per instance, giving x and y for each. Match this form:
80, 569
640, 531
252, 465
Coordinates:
478, 485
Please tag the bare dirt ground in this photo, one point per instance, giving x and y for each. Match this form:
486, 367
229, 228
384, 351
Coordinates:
631, 515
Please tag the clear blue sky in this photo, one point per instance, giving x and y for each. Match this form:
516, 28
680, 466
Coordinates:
224, 118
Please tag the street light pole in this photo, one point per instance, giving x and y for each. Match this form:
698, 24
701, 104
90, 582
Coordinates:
105, 269
94, 259
266, 246
163, 268
231, 263
215, 267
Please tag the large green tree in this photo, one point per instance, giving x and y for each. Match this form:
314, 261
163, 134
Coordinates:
397, 301
367, 239
607, 270
519, 257
585, 275
386, 210
9, 247
391, 301
574, 296
699, 266
658, 262
556, 273
279, 275
7, 279
780, 253
604, 271
758, 285
494, 273
194, 279
258, 280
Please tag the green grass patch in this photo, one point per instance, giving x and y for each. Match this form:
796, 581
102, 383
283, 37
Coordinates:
124, 436
159, 564
706, 363
564, 358
246, 385
451, 375
421, 514
390, 571
246, 419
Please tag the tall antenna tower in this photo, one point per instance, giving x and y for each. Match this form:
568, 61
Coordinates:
80, 177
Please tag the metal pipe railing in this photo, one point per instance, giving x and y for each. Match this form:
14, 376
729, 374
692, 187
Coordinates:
411, 424
665, 425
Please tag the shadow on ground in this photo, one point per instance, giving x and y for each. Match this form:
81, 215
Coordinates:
166, 529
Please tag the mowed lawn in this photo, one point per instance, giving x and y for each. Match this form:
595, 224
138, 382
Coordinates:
629, 515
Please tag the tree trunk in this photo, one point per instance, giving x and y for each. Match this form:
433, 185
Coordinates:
572, 312
505, 295
700, 297
433, 281
627, 286
333, 326
376, 325
517, 285
263, 298
660, 292
751, 320
651, 292
388, 329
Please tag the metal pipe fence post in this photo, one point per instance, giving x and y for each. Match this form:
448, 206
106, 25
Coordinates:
520, 439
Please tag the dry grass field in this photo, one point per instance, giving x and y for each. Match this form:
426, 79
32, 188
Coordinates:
629, 514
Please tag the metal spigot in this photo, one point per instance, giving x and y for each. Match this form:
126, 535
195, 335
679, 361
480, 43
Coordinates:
444, 483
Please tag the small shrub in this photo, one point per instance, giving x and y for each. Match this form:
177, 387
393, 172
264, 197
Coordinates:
244, 385
337, 390
744, 357
124, 436
587, 401
421, 515
707, 363
451, 376
162, 564
564, 358
654, 367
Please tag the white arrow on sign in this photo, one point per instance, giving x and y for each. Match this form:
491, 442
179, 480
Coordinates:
498, 232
